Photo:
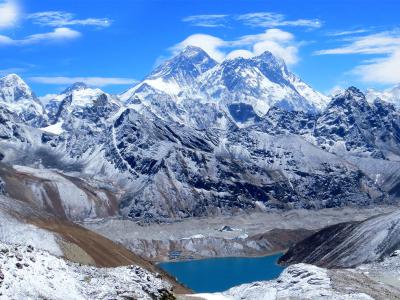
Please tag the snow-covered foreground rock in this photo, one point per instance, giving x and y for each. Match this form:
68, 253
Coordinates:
303, 281
28, 273
296, 282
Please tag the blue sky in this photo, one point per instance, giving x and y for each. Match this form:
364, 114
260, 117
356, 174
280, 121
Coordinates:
110, 44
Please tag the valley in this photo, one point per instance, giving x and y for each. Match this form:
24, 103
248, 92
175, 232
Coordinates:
253, 234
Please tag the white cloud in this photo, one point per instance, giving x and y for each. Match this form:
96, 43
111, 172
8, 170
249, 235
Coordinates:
348, 32
384, 69
211, 44
9, 13
61, 19
378, 43
280, 43
239, 53
257, 19
93, 81
206, 20
58, 34
270, 19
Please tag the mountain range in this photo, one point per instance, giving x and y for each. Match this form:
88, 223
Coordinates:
201, 138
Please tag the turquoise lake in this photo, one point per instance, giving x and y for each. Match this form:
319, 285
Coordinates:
220, 274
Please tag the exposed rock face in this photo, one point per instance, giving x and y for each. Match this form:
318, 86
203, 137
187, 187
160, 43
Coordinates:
349, 244
2, 187
175, 171
373, 129
11, 128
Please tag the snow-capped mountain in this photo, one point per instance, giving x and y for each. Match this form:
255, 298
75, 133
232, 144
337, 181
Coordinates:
80, 109
262, 82
391, 95
17, 96
241, 89
201, 151
175, 76
77, 99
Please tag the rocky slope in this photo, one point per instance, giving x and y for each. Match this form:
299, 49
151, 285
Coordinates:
62, 195
24, 224
349, 244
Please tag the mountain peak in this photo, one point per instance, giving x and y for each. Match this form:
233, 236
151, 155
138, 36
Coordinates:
268, 55
191, 51
353, 92
190, 62
350, 97
272, 62
13, 88
77, 86
12, 80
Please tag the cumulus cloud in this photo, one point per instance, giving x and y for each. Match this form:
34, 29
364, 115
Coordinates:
384, 69
211, 44
9, 13
58, 34
281, 43
61, 19
93, 81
